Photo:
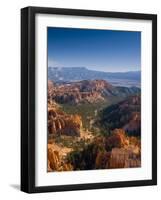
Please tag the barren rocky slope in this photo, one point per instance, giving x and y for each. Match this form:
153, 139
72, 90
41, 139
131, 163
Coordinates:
125, 114
60, 123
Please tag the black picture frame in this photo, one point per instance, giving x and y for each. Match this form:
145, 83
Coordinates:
28, 98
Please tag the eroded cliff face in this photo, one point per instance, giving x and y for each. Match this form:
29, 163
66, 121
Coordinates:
87, 91
124, 158
56, 162
122, 151
110, 152
115, 151
60, 123
79, 92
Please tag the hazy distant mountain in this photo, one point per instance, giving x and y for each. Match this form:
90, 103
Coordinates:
71, 74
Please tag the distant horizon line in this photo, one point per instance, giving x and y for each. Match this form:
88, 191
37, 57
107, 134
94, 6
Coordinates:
95, 69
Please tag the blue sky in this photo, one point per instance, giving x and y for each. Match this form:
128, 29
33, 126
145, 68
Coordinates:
102, 50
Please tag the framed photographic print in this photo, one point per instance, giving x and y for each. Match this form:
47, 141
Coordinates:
88, 99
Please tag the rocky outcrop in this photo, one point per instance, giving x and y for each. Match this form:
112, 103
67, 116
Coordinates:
125, 114
55, 162
111, 152
60, 123
124, 158
121, 152
117, 140
124, 151
79, 92
86, 91
53, 159
102, 160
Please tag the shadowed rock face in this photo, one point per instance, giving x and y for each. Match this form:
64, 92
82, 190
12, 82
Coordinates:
59, 123
134, 122
125, 114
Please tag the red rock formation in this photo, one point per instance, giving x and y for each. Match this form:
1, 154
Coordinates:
124, 158
53, 158
55, 162
61, 123
118, 139
122, 151
80, 92
102, 160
